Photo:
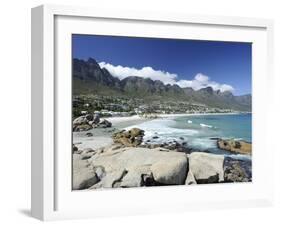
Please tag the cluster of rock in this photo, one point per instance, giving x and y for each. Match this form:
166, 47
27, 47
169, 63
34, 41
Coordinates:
134, 138
89, 121
130, 138
129, 164
235, 146
171, 145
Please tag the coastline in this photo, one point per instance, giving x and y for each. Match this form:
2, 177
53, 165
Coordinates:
103, 136
199, 114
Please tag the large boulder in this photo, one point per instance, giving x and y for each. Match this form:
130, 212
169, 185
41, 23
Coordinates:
130, 138
171, 172
206, 168
83, 175
113, 178
235, 146
236, 170
133, 167
134, 177
80, 121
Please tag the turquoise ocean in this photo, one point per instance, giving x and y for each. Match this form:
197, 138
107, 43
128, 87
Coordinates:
199, 131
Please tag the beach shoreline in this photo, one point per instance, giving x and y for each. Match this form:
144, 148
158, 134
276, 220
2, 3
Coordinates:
199, 114
101, 137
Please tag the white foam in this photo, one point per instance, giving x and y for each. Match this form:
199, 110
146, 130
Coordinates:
202, 143
163, 128
240, 156
205, 125
189, 121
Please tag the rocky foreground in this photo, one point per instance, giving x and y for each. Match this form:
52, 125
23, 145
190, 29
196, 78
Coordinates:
129, 163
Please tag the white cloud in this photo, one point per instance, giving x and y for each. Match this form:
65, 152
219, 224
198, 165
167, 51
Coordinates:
145, 72
200, 80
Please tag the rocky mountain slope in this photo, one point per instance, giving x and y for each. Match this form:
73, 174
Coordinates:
89, 77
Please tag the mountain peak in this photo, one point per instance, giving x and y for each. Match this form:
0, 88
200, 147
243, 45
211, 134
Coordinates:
226, 94
92, 61
90, 77
208, 89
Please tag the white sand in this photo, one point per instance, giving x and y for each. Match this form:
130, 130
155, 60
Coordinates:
116, 120
194, 114
123, 122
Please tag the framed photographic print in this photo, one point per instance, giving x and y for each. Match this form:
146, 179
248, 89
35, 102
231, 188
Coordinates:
137, 112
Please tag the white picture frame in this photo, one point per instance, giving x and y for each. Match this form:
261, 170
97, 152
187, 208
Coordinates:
52, 197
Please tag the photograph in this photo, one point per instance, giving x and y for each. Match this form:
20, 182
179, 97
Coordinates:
150, 111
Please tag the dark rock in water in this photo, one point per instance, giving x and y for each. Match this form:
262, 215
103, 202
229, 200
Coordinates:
214, 138
236, 170
184, 143
155, 137
181, 138
89, 134
173, 146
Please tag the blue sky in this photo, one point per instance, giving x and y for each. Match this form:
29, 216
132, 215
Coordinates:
188, 63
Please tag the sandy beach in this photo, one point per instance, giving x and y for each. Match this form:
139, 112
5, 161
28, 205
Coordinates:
195, 114
123, 122
102, 136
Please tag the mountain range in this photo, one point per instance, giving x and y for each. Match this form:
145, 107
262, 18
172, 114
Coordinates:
89, 77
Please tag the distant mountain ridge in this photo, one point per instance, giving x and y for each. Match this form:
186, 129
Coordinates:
89, 77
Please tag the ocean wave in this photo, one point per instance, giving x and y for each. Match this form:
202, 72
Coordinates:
240, 156
189, 121
205, 125
163, 128
202, 143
